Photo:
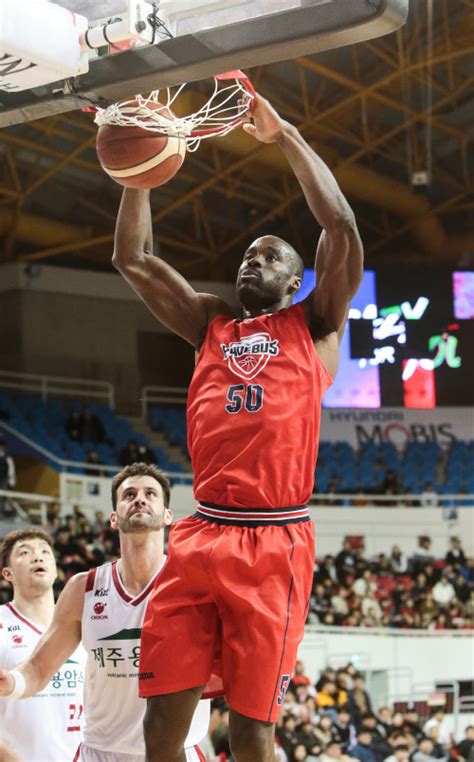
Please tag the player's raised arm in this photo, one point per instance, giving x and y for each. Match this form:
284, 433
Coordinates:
58, 643
165, 292
339, 256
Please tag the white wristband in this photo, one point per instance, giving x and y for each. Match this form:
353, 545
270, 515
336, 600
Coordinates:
19, 686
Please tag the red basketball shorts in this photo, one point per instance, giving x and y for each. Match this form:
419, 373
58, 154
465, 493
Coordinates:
229, 610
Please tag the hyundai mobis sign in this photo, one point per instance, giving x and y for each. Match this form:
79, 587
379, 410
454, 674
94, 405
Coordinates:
397, 425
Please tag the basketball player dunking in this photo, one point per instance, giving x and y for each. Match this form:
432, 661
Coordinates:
232, 599
105, 607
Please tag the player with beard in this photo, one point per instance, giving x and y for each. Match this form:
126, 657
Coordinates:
105, 608
232, 600
45, 728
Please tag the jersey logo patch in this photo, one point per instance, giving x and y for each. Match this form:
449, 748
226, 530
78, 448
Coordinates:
247, 357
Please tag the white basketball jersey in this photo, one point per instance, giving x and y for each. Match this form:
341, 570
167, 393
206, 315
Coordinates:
46, 727
111, 628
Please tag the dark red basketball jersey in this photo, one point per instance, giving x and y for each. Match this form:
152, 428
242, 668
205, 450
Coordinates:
254, 409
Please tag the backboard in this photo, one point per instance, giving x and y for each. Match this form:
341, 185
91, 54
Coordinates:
199, 38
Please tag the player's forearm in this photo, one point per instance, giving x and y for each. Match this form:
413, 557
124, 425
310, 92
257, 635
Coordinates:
34, 679
323, 195
133, 230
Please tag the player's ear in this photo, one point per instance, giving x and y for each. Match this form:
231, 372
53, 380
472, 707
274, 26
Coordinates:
168, 516
113, 520
295, 284
7, 573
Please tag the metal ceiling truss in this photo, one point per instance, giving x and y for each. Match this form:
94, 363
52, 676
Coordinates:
363, 109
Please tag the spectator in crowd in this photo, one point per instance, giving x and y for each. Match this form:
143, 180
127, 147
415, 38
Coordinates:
466, 747
7, 476
298, 677
424, 753
92, 428
129, 454
98, 525
455, 554
305, 735
328, 571
323, 731
73, 426
439, 750
423, 554
384, 721
371, 607
463, 590
359, 700
286, 733
363, 749
345, 562
429, 498
145, 454
400, 754
443, 591
93, 459
411, 723
85, 426
326, 697
364, 583
398, 560
343, 730
334, 753
53, 518
438, 721
340, 602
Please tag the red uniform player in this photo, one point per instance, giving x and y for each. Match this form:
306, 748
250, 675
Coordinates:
233, 596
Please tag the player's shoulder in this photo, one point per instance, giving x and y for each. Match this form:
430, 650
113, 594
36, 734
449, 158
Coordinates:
5, 612
215, 305
74, 590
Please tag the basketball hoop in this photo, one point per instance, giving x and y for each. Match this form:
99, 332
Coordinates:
223, 112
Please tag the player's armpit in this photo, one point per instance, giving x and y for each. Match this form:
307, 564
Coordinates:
60, 639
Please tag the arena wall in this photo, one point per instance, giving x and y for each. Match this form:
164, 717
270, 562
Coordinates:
79, 323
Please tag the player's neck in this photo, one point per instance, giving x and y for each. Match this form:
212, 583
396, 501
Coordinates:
141, 557
256, 310
37, 607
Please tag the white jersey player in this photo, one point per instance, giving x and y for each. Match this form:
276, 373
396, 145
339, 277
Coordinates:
112, 619
105, 608
45, 727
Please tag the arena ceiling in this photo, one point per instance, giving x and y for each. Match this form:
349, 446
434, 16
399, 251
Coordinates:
364, 108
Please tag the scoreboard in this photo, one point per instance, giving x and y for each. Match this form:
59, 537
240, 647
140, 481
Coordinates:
409, 341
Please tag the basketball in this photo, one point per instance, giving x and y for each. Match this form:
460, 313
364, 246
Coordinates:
139, 158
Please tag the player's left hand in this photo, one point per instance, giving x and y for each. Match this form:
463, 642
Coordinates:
7, 683
263, 123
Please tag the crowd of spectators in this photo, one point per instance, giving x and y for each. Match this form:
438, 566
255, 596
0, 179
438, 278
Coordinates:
392, 590
334, 721
349, 589
86, 427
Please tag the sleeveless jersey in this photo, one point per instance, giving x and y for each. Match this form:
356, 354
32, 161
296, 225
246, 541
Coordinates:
47, 726
111, 628
254, 408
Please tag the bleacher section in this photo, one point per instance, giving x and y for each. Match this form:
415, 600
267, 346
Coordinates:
43, 421
339, 469
448, 471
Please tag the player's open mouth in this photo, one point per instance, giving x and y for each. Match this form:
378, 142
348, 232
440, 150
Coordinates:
248, 273
39, 570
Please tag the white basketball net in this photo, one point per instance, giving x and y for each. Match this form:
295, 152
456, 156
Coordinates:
222, 113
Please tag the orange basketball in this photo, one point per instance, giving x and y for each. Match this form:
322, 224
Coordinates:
140, 158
